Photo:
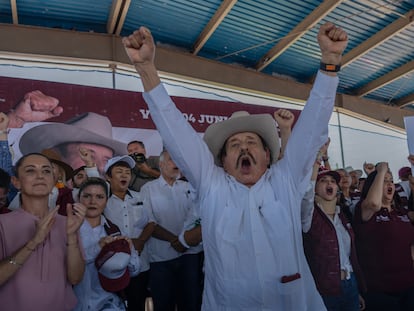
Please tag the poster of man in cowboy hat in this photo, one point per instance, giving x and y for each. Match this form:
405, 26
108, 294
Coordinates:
89, 130
67, 118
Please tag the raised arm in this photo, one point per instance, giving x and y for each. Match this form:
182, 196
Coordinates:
332, 42
368, 168
373, 202
284, 119
311, 129
140, 48
185, 145
307, 204
323, 155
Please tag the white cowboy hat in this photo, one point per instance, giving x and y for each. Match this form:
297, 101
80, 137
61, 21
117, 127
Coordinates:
87, 128
241, 121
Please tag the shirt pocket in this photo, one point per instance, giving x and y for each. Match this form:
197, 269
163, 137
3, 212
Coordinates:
231, 224
138, 216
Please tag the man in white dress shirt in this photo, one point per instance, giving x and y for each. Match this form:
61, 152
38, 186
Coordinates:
175, 269
249, 201
125, 209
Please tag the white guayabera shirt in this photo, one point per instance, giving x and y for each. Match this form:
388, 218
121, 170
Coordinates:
252, 237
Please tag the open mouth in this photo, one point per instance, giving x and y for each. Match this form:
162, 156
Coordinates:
329, 190
389, 190
124, 182
245, 163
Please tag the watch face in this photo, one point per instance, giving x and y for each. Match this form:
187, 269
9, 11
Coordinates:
330, 67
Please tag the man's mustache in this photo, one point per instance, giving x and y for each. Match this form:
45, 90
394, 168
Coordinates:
244, 154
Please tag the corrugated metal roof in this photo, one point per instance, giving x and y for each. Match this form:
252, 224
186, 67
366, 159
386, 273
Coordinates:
250, 30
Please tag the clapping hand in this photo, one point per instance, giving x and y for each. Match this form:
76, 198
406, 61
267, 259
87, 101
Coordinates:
75, 215
44, 226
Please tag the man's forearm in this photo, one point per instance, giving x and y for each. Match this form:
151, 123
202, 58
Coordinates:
145, 168
147, 231
149, 76
307, 135
154, 173
163, 234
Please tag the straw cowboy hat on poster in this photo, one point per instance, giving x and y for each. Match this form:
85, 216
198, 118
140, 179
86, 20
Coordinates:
90, 131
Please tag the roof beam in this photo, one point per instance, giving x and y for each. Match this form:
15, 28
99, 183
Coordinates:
212, 25
371, 43
121, 21
13, 6
385, 79
296, 33
117, 15
113, 16
405, 101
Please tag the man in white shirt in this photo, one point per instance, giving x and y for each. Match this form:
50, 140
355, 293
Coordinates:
125, 209
175, 270
249, 201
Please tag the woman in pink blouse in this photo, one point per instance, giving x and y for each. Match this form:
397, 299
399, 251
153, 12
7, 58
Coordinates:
40, 257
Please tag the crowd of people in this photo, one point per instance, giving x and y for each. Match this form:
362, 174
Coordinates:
240, 219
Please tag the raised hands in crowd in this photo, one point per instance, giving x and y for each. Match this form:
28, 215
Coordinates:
86, 156
138, 226
284, 119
